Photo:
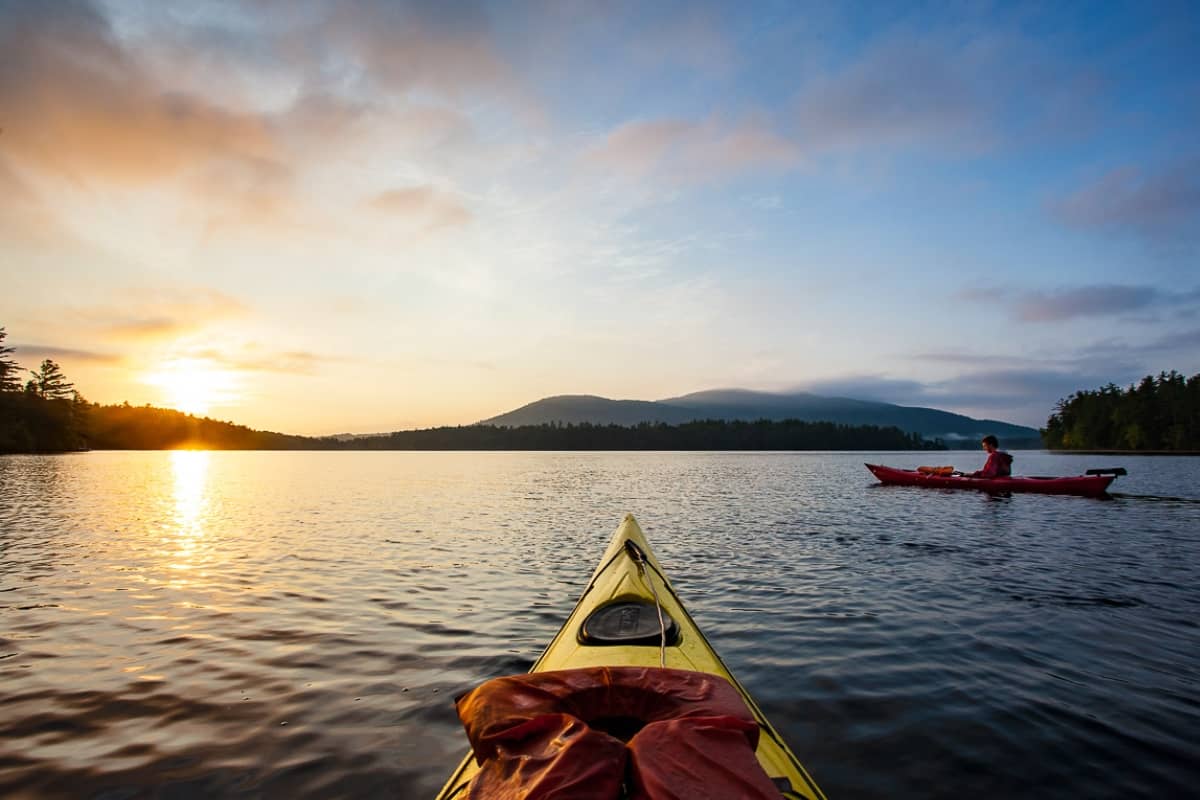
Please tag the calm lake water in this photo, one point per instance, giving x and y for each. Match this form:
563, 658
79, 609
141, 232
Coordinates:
197, 624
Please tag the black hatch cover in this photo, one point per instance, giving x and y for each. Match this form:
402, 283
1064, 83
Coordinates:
627, 622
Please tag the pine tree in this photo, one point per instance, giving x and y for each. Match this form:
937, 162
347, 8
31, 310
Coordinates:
50, 383
9, 371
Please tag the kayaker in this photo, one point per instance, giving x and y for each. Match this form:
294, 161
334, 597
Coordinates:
999, 463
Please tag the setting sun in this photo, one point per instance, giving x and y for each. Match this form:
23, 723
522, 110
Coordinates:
192, 385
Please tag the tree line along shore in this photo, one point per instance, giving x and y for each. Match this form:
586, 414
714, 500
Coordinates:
61, 425
1159, 415
45, 413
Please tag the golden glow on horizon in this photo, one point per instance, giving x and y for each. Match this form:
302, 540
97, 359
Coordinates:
192, 385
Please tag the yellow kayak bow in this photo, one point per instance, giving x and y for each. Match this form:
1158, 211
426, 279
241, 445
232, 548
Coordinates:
617, 622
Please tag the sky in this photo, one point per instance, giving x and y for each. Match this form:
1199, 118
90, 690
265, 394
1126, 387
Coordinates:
363, 216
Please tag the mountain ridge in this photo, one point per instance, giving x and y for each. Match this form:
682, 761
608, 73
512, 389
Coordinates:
747, 404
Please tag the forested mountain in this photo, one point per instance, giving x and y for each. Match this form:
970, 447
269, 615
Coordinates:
741, 404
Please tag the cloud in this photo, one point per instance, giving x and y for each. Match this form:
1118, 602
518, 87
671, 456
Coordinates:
327, 122
1187, 341
77, 105
38, 352
432, 207
253, 358
248, 193
90, 97
690, 36
317, 120
319, 73
445, 48
1000, 388
976, 360
1025, 389
879, 388
689, 151
1077, 302
1156, 203
1181, 344
905, 90
82, 108
1028, 395
902, 92
1024, 393
948, 88
1085, 301
1112, 359
14, 192
23, 216
159, 314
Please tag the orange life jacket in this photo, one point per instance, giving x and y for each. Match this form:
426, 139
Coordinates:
943, 471
586, 733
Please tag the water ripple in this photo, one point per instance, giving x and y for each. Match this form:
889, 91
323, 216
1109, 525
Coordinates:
298, 624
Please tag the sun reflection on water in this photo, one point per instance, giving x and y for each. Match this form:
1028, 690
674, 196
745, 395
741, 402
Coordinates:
190, 469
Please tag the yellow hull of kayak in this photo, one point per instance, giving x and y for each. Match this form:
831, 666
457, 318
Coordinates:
617, 578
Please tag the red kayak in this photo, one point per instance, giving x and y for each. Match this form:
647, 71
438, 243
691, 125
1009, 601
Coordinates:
1093, 484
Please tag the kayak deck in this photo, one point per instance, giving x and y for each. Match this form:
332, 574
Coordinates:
620, 578
1082, 485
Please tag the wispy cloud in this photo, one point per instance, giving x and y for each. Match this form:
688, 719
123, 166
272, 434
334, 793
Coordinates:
901, 92
1153, 202
1169, 349
158, 314
1019, 391
83, 107
1028, 395
1002, 388
1085, 301
447, 48
1026, 388
1077, 302
932, 91
23, 216
428, 206
27, 353
692, 36
957, 90
77, 105
880, 388
689, 151
974, 360
13, 191
255, 358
